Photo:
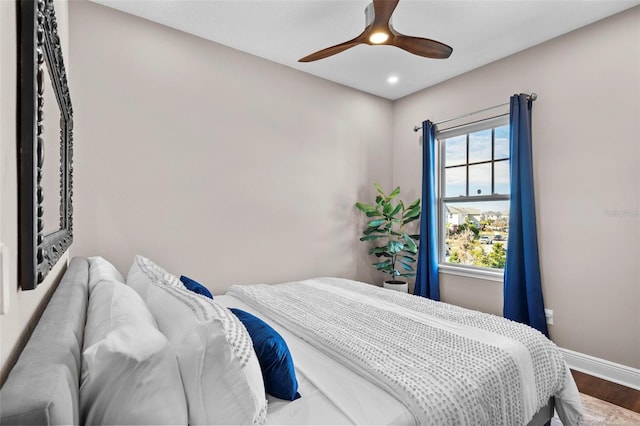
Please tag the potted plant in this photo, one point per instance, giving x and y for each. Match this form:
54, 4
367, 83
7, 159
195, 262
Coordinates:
395, 249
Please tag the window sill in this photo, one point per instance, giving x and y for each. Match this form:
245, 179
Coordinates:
481, 274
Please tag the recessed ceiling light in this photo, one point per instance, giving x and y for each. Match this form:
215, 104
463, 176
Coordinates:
393, 79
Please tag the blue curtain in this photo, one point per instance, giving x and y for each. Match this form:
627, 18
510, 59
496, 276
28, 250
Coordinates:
427, 273
522, 287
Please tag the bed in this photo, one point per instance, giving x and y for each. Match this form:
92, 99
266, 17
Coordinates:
148, 349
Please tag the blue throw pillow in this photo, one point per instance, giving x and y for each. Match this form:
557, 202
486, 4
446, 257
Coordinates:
195, 286
273, 355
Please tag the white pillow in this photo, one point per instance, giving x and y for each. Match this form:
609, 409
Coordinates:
144, 272
130, 373
101, 269
220, 371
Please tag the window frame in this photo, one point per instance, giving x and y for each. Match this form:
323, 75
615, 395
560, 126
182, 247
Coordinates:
472, 271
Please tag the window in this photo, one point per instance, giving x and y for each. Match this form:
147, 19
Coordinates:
474, 194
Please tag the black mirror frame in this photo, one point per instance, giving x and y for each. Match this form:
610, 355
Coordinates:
38, 40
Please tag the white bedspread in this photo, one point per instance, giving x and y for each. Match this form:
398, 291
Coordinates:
449, 365
332, 394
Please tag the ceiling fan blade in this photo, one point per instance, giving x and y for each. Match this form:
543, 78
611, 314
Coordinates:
380, 31
422, 46
329, 51
383, 9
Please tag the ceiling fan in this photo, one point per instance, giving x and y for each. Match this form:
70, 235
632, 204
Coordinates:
379, 31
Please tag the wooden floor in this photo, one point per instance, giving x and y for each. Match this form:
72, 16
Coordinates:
614, 393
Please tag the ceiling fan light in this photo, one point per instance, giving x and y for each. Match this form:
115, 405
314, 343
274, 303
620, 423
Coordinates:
379, 37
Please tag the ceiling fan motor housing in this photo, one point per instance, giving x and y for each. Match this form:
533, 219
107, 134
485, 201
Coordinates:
370, 14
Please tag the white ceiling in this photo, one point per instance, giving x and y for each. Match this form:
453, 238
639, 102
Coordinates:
283, 31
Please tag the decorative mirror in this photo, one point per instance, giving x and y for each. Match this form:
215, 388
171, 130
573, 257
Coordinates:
45, 137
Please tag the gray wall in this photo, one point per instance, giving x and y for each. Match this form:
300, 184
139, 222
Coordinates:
214, 163
586, 135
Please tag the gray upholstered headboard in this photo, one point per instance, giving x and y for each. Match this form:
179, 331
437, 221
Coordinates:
43, 386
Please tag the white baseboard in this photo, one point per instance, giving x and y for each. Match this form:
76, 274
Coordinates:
598, 367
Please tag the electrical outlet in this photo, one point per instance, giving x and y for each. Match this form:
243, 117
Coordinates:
548, 313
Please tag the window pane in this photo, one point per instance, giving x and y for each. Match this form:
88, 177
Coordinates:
455, 182
480, 179
476, 233
480, 146
501, 142
501, 176
455, 151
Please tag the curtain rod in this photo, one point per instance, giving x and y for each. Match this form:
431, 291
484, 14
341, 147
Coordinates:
533, 97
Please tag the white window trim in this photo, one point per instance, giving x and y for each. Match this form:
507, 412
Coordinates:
468, 271
472, 272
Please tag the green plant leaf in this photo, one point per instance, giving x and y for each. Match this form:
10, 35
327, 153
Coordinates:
387, 207
396, 210
394, 246
380, 253
406, 266
394, 193
382, 265
371, 237
410, 220
378, 250
375, 223
373, 213
411, 245
371, 230
365, 207
414, 212
409, 253
413, 205
409, 259
379, 189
